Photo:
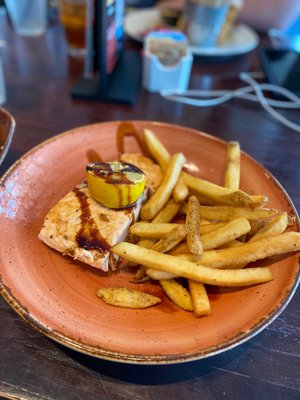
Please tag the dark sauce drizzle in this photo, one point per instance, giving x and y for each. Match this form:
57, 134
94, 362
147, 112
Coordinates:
93, 156
126, 128
105, 171
88, 237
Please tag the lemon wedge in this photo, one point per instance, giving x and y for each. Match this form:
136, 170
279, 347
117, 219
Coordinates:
115, 184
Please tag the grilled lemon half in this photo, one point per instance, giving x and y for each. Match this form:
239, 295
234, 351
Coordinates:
115, 184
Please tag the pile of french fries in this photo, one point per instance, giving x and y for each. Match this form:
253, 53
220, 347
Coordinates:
221, 230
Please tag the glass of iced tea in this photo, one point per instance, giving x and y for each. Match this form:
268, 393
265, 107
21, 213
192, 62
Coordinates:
73, 18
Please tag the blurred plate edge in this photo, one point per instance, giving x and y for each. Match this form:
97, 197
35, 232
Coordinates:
7, 129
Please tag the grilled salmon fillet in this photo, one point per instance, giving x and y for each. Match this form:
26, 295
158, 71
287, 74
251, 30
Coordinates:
80, 227
151, 170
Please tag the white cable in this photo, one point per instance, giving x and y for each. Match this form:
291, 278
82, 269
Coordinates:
252, 92
264, 103
224, 95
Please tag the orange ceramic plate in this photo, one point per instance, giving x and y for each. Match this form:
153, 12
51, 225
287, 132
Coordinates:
57, 295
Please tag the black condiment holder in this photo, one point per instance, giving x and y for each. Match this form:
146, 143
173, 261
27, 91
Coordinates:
123, 83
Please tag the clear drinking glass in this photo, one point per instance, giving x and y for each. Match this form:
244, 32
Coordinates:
28, 16
73, 18
205, 21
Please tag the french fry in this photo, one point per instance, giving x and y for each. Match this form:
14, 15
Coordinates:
165, 245
224, 233
191, 270
199, 298
146, 243
257, 224
193, 226
157, 149
205, 222
233, 243
226, 213
167, 213
152, 231
178, 294
202, 187
148, 230
169, 241
164, 216
234, 257
232, 166
232, 230
159, 199
182, 248
162, 156
212, 194
158, 275
129, 298
181, 191
275, 226
204, 229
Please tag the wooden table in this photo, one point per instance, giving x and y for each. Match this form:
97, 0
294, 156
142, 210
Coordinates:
39, 76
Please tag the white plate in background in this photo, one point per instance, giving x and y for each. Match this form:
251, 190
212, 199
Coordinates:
138, 23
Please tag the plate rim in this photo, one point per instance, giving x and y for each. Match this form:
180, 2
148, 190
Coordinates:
159, 359
10, 133
227, 50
